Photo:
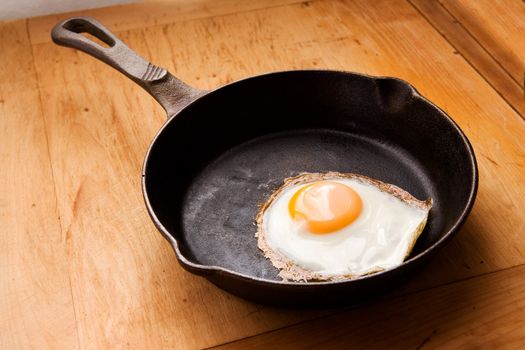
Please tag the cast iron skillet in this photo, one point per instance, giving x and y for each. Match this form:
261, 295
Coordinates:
222, 152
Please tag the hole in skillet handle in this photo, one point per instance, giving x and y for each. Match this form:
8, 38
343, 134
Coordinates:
170, 92
91, 32
98, 41
105, 42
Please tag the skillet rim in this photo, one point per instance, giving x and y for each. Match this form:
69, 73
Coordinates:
210, 270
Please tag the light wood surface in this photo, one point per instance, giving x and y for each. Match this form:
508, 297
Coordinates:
498, 26
477, 51
36, 304
84, 266
481, 313
155, 12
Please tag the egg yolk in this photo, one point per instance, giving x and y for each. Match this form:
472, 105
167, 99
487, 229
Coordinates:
326, 206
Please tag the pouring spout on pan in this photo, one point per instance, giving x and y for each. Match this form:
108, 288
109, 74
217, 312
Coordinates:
170, 92
204, 196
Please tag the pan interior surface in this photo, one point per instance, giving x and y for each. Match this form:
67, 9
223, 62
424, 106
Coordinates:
221, 204
212, 165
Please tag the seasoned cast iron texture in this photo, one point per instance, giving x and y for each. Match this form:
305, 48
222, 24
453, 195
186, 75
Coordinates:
258, 131
223, 152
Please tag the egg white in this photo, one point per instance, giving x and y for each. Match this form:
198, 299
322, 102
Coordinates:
380, 238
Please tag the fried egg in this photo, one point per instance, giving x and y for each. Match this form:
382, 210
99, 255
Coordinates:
336, 226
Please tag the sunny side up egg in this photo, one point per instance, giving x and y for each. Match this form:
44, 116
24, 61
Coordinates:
337, 226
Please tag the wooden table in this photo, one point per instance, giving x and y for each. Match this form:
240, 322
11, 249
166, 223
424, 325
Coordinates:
83, 267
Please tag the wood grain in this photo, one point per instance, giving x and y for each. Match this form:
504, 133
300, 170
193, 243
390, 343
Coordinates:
498, 26
126, 288
486, 312
36, 305
127, 284
474, 52
382, 40
152, 12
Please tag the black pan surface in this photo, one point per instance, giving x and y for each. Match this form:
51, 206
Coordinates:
222, 153
221, 203
213, 164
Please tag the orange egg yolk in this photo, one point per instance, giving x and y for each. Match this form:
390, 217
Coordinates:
326, 206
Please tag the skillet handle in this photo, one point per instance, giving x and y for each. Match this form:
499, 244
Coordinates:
169, 91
